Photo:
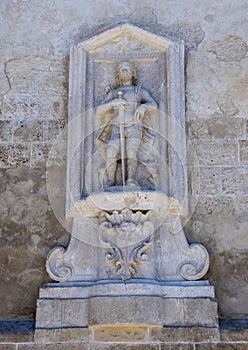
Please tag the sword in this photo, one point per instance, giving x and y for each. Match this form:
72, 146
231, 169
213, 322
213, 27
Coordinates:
122, 138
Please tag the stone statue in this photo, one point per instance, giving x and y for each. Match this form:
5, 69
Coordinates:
123, 111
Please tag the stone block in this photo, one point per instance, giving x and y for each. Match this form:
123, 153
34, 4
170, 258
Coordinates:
176, 290
243, 151
48, 313
208, 205
14, 155
62, 335
6, 132
7, 347
13, 337
104, 346
183, 334
36, 76
217, 127
55, 313
158, 311
27, 106
227, 107
234, 336
28, 130
129, 334
56, 162
242, 205
222, 346
53, 129
192, 34
38, 89
74, 313
235, 180
40, 154
60, 346
19, 154
177, 347
194, 309
221, 152
205, 181
125, 310
4, 155
124, 307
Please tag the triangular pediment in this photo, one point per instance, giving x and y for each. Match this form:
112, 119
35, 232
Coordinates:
126, 32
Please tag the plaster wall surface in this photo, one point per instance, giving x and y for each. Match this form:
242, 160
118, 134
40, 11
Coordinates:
35, 41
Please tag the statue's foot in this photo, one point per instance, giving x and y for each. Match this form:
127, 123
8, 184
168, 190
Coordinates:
132, 182
110, 183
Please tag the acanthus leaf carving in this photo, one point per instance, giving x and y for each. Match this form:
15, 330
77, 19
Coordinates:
127, 236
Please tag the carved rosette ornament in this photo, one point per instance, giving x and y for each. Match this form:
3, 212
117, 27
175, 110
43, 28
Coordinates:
127, 236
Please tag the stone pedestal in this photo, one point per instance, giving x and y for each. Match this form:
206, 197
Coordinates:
146, 303
126, 267
132, 234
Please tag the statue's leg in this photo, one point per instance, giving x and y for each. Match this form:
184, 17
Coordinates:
111, 158
134, 136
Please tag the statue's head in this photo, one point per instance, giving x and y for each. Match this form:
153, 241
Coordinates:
125, 71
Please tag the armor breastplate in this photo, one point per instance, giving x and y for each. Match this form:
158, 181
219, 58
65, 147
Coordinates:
129, 95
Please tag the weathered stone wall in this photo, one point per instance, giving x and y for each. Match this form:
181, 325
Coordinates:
35, 41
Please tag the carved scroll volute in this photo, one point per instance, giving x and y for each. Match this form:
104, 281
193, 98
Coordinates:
56, 265
127, 237
197, 264
192, 260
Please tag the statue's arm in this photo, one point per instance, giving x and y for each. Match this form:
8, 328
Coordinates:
148, 104
110, 106
148, 101
105, 108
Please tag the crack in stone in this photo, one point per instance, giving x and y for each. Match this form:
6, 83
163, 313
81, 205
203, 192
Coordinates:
7, 77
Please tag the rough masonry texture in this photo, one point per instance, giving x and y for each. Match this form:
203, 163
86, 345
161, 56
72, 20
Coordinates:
35, 41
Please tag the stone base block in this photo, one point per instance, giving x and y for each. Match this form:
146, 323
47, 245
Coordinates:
66, 312
184, 334
153, 334
54, 335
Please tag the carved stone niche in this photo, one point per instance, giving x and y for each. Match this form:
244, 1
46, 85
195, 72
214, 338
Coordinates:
159, 63
128, 252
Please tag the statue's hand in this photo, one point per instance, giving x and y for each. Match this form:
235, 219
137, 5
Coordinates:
140, 112
119, 103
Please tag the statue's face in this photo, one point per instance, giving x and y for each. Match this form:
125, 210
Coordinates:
125, 73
